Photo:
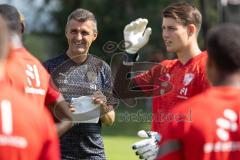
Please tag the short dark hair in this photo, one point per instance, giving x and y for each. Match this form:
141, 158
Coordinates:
12, 17
223, 46
83, 15
3, 38
184, 13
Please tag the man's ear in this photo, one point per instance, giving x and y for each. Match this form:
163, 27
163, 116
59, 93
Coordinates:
22, 28
65, 31
22, 20
191, 29
95, 34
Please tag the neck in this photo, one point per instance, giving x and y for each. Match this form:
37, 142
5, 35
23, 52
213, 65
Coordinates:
77, 58
2, 69
189, 52
228, 80
16, 41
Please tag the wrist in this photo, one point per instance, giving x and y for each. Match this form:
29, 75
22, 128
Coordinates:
129, 58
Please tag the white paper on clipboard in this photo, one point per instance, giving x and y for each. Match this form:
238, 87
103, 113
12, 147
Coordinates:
86, 110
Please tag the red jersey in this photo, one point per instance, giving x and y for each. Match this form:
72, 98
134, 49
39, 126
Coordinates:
27, 75
26, 132
186, 80
211, 130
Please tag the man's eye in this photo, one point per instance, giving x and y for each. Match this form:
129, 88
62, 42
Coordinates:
74, 32
171, 28
85, 33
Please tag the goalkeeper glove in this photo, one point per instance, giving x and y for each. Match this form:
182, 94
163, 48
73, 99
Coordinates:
147, 148
137, 35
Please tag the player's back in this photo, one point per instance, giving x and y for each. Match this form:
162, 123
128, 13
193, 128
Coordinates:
211, 131
27, 75
26, 131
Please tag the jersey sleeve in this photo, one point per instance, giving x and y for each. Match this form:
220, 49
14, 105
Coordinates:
203, 81
144, 78
52, 93
145, 81
108, 85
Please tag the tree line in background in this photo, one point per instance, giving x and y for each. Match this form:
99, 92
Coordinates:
113, 15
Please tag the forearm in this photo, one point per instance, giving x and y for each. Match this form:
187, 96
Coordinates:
107, 115
63, 127
61, 111
123, 82
108, 118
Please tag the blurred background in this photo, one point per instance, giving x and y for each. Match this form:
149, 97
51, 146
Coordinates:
45, 38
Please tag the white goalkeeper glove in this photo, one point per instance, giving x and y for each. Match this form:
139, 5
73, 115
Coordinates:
136, 35
147, 148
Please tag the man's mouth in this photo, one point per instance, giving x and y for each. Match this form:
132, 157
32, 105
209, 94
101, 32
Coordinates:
167, 42
79, 44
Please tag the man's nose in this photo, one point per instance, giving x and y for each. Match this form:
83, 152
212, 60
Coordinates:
79, 36
165, 34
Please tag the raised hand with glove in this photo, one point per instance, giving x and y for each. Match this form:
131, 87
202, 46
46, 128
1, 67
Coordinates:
147, 148
136, 35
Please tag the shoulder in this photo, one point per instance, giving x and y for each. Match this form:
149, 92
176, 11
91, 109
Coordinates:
55, 60
98, 62
52, 63
164, 66
22, 58
202, 58
200, 62
25, 55
168, 63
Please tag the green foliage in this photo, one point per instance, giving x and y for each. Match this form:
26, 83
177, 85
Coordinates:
113, 15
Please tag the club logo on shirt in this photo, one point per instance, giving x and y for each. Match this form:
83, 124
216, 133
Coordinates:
188, 77
33, 80
91, 76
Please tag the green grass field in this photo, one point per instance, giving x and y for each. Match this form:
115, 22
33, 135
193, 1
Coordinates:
118, 139
119, 147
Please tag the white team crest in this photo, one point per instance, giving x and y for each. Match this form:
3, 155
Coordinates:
188, 77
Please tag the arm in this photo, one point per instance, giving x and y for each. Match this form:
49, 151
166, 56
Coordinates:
60, 109
62, 114
136, 35
129, 83
108, 118
107, 113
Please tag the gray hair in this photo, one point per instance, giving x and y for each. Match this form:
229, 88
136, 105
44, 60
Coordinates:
83, 15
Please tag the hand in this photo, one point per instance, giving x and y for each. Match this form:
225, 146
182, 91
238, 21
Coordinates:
147, 148
100, 99
72, 108
99, 95
137, 35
